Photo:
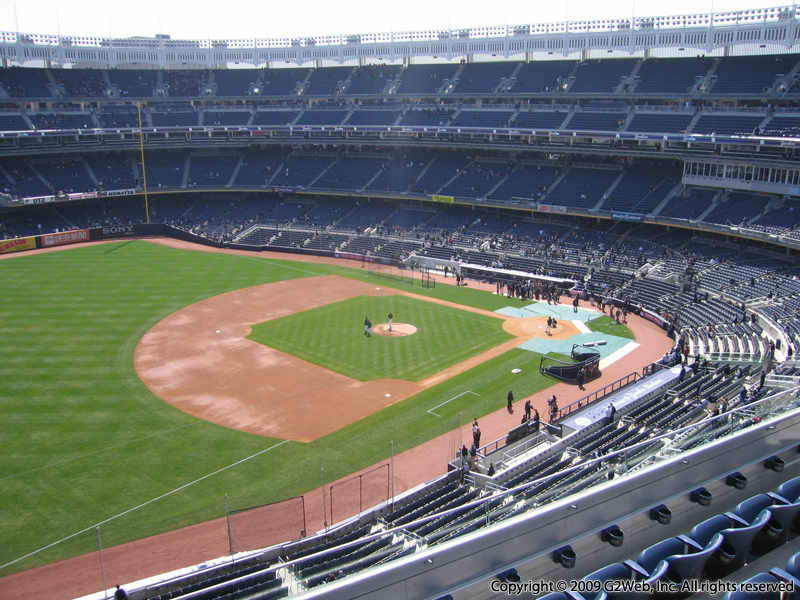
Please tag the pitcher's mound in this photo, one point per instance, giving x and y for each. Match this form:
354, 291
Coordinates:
398, 329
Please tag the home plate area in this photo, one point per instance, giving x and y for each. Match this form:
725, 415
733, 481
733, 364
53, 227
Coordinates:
531, 321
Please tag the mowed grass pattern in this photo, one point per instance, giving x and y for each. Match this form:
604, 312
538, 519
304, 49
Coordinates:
609, 326
333, 336
83, 439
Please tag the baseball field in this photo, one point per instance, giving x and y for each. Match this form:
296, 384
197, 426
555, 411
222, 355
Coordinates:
87, 438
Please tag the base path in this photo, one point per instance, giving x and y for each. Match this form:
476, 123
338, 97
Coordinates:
199, 360
192, 545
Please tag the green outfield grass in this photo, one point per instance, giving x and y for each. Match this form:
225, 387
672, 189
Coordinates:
333, 336
609, 326
83, 439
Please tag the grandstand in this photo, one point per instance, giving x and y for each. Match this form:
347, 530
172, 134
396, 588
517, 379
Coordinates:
660, 184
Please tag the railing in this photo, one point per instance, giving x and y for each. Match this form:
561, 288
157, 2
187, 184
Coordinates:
648, 453
500, 442
599, 394
732, 357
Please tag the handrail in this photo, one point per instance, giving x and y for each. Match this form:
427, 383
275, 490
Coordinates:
599, 394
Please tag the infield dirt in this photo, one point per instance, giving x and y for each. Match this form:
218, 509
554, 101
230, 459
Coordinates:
197, 543
199, 360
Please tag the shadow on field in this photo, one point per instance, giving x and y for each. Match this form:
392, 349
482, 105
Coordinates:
116, 247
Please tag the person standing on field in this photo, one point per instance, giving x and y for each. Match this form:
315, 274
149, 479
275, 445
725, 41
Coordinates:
391, 316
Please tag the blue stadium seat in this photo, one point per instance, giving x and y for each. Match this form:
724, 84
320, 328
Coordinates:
627, 571
790, 489
762, 577
425, 79
738, 538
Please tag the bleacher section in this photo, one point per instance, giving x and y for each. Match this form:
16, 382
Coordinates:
373, 117
175, 118
601, 76
184, 83
211, 171
439, 172
419, 80
12, 122
165, 169
476, 179
660, 122
783, 125
526, 181
689, 204
596, 121
133, 83
728, 124
482, 118
750, 74
327, 82
20, 82
322, 117
482, 78
350, 173
670, 75
228, 117
300, 170
538, 119
118, 115
640, 190
236, 82
398, 174
371, 80
111, 171
62, 121
275, 117
737, 208
80, 83
582, 188
542, 76
282, 82
427, 117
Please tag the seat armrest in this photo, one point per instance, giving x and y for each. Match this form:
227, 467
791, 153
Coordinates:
636, 567
736, 518
689, 542
778, 498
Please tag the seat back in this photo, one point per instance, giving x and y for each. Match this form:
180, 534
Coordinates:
790, 489
692, 565
750, 508
703, 532
738, 541
651, 556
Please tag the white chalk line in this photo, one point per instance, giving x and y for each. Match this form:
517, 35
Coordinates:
618, 354
143, 504
581, 326
432, 410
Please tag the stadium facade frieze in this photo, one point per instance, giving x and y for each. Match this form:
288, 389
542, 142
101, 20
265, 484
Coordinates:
704, 32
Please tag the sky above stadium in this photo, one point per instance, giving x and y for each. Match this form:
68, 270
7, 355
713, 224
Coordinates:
278, 18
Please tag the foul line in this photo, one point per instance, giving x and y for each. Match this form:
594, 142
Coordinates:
617, 355
143, 504
432, 410
581, 326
